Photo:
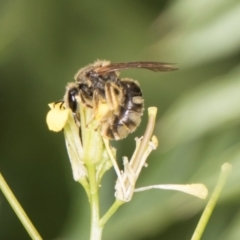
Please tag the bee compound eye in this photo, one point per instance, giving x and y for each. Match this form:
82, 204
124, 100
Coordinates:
72, 101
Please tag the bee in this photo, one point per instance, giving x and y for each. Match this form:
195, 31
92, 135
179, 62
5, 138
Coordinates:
117, 103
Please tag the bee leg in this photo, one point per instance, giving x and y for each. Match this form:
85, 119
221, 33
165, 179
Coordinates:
100, 108
114, 96
84, 99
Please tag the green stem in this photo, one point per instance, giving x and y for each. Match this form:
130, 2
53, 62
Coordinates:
19, 210
96, 229
110, 212
85, 185
226, 168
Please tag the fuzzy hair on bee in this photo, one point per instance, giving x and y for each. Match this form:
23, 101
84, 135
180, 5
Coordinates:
117, 103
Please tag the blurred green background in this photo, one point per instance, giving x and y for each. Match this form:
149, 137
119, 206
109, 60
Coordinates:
44, 43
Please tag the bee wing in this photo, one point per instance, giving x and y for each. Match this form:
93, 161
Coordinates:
153, 66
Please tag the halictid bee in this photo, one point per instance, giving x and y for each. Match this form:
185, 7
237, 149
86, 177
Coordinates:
117, 103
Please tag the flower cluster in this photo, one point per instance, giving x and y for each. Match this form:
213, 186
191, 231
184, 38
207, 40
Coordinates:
85, 146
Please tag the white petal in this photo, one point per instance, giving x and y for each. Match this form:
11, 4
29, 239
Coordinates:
197, 190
